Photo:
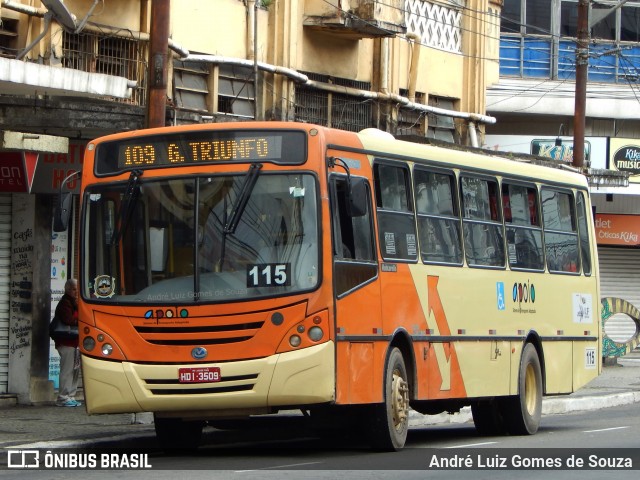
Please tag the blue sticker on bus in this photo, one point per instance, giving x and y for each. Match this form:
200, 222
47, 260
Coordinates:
500, 295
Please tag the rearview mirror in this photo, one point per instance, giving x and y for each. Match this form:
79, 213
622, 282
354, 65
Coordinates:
357, 201
62, 212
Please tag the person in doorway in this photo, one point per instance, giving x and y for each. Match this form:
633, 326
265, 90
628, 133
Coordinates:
67, 311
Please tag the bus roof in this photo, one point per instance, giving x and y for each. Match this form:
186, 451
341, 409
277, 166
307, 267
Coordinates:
476, 159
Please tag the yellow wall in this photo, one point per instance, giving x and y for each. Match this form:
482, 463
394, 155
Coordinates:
439, 72
336, 56
117, 13
218, 27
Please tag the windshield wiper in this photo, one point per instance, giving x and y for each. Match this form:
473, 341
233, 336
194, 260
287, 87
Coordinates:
127, 206
243, 197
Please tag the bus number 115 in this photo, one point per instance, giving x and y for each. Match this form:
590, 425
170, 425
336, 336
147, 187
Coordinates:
269, 275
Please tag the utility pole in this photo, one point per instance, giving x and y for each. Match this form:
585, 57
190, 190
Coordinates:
582, 64
158, 63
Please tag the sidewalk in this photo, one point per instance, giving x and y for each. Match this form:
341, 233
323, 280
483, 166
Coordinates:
55, 427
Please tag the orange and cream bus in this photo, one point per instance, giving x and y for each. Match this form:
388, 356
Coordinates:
236, 269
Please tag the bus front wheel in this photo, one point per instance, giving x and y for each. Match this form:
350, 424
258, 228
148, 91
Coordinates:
523, 411
390, 422
175, 434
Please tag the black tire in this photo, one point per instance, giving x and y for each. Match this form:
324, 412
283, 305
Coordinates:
523, 411
177, 435
390, 422
487, 417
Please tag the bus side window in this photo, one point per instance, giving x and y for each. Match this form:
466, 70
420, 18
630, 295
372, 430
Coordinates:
353, 241
560, 232
482, 222
396, 221
438, 220
522, 221
583, 230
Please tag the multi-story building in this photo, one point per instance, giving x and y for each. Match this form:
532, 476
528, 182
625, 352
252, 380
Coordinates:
72, 71
534, 100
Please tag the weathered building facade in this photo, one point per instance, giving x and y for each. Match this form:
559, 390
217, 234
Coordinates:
75, 70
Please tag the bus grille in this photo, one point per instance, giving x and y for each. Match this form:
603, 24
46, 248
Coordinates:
239, 383
199, 335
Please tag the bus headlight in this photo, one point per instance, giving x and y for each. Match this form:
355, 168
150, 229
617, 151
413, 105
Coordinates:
107, 349
88, 343
295, 340
315, 334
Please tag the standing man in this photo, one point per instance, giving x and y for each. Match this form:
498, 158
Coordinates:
67, 312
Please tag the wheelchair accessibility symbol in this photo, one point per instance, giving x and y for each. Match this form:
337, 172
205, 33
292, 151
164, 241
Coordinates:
500, 295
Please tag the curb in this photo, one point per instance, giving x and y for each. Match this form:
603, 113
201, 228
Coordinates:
552, 406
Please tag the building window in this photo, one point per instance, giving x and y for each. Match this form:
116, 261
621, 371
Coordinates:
111, 55
441, 127
8, 38
533, 46
193, 83
411, 122
345, 112
190, 87
236, 93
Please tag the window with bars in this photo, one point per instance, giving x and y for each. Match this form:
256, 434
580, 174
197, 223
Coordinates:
110, 55
345, 112
411, 121
8, 37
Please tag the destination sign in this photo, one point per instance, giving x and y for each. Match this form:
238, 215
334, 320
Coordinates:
200, 147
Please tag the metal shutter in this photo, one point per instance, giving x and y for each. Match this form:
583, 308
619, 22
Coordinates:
620, 278
5, 284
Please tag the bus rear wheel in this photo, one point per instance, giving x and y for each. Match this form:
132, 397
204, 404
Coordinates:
391, 419
175, 434
523, 411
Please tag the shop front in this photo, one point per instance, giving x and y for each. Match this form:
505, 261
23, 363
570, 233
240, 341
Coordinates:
29, 166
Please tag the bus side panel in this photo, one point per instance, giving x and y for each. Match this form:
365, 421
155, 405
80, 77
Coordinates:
357, 386
556, 378
360, 361
439, 369
486, 368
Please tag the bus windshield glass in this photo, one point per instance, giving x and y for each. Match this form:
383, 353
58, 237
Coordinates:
201, 239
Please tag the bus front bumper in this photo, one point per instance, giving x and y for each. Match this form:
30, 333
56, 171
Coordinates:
297, 378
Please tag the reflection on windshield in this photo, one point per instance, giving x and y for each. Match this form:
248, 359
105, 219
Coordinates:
176, 247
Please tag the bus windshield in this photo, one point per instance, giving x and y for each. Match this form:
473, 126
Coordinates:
201, 239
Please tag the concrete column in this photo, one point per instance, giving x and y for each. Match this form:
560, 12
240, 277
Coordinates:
29, 299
